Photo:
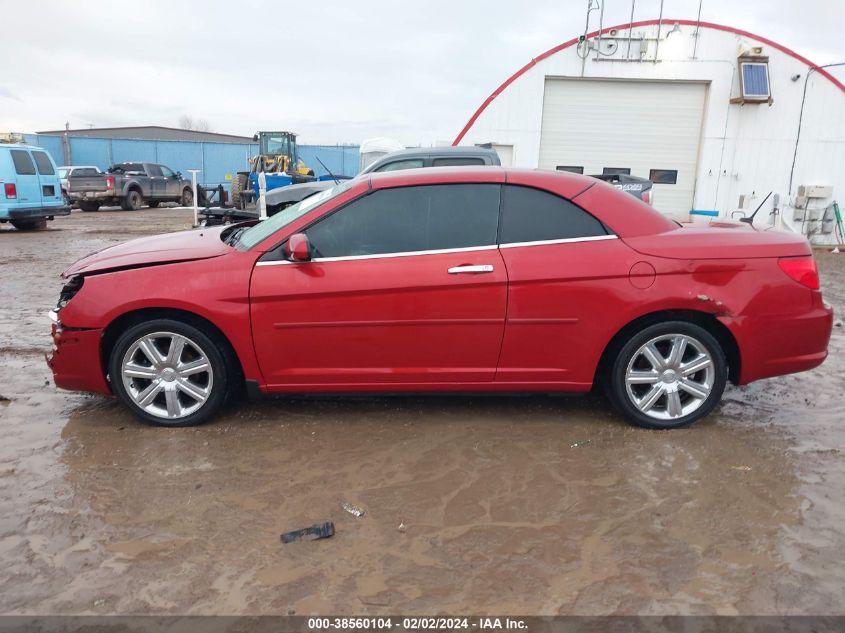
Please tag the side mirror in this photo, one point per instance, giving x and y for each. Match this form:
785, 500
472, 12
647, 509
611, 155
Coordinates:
178, 175
298, 248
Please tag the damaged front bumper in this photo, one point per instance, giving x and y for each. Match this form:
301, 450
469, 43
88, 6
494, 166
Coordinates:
75, 360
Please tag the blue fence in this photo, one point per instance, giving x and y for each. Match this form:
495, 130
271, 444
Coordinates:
218, 161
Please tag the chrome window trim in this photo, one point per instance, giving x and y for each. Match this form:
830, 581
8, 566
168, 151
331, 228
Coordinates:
566, 240
469, 249
345, 258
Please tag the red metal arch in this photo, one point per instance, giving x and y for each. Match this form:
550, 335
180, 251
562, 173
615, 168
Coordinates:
708, 25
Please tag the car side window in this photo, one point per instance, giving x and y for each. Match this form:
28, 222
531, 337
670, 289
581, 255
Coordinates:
166, 171
45, 166
453, 162
409, 219
411, 163
533, 215
23, 162
154, 170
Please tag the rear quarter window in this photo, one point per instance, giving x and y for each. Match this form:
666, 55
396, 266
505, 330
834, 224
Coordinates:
44, 164
456, 162
23, 162
534, 215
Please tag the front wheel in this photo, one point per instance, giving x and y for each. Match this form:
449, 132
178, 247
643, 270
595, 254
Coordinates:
168, 373
668, 375
187, 197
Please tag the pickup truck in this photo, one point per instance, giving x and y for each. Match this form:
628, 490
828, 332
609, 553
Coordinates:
131, 185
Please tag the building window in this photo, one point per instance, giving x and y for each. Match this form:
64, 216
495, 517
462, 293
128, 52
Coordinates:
570, 168
663, 176
616, 171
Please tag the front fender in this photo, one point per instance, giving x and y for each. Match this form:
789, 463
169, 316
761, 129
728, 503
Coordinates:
216, 290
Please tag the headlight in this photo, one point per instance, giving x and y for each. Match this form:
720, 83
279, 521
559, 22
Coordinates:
70, 289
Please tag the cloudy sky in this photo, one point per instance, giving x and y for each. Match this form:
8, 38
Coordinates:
332, 71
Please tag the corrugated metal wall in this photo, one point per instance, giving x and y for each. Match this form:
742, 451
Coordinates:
216, 160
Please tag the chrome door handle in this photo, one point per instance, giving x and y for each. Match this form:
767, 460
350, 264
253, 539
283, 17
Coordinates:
481, 268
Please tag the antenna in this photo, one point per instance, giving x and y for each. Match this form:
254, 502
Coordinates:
336, 181
750, 219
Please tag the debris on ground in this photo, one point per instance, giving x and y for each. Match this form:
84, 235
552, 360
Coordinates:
316, 531
4, 399
742, 468
353, 510
579, 443
401, 527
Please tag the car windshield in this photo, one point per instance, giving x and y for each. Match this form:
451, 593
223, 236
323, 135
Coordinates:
265, 228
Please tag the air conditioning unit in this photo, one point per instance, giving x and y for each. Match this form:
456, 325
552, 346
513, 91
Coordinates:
815, 191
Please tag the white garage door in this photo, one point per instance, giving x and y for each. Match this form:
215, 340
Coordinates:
641, 126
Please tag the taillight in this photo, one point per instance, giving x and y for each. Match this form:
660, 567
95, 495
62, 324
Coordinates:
11, 190
109, 182
801, 269
647, 196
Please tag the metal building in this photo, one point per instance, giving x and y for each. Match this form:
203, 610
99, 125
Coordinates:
716, 117
151, 133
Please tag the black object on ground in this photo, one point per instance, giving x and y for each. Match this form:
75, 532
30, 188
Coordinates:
318, 530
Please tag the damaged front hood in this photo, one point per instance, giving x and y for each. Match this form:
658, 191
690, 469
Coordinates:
153, 250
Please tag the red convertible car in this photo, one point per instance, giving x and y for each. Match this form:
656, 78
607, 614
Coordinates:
444, 280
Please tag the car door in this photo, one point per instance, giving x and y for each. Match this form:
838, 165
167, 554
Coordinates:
406, 287
158, 183
173, 186
566, 273
48, 180
28, 188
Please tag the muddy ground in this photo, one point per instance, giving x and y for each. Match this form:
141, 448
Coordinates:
484, 505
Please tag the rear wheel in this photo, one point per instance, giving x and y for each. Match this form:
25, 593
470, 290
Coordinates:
169, 373
89, 206
30, 225
132, 201
187, 197
668, 375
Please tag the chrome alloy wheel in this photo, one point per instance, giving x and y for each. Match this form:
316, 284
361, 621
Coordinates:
670, 376
167, 375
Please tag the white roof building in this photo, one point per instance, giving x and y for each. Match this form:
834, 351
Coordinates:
716, 117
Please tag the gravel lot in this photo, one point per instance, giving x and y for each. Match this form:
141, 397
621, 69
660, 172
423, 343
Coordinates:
532, 505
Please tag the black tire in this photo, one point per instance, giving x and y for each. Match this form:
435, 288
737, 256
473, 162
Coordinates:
89, 206
187, 197
152, 204
617, 389
65, 199
219, 379
30, 225
132, 201
236, 187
